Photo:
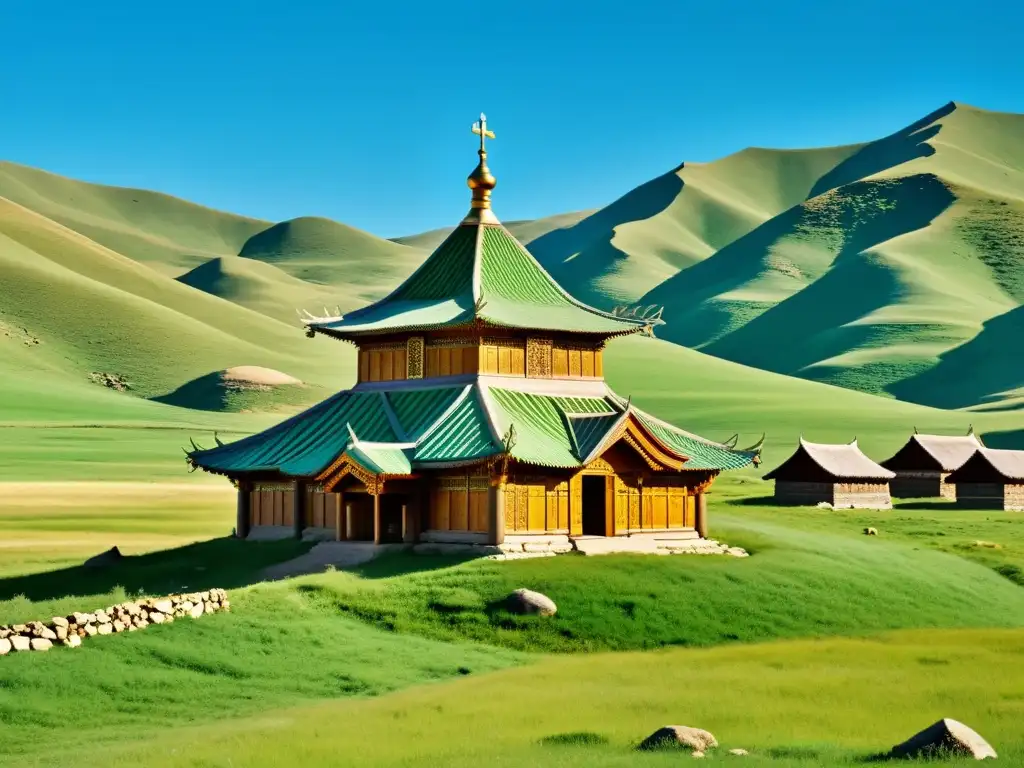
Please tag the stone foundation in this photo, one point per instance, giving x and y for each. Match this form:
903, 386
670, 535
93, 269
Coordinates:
125, 617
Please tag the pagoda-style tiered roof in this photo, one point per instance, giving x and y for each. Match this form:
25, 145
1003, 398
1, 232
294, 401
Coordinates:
480, 275
422, 426
481, 278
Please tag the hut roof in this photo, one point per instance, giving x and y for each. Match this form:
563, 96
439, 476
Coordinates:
1009, 465
949, 452
844, 462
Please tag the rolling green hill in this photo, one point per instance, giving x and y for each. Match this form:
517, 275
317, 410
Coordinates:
152, 294
893, 267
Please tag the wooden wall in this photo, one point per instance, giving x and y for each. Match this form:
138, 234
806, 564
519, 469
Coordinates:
447, 360
382, 363
271, 507
458, 504
537, 505
543, 358
655, 506
552, 505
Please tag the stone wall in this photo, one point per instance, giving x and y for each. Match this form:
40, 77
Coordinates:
1013, 496
862, 496
70, 630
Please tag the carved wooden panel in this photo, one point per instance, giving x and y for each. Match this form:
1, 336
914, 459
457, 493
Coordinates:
538, 358
414, 357
576, 505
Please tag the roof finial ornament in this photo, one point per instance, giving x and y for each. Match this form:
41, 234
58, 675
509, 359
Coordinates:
481, 181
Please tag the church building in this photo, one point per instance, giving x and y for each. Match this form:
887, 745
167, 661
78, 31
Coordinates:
480, 416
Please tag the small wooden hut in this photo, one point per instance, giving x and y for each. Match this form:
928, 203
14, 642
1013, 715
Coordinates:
922, 465
840, 475
990, 479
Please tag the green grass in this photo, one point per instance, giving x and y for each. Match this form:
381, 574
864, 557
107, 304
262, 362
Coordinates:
269, 652
797, 703
196, 693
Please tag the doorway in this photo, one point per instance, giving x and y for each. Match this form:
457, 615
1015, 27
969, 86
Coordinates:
594, 506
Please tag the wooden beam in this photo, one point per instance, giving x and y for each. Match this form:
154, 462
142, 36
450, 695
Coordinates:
348, 522
376, 518
299, 508
702, 515
406, 527
496, 513
244, 510
339, 520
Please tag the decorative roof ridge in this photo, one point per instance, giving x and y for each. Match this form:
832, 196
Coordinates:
478, 261
355, 442
590, 415
411, 385
691, 435
445, 414
484, 396
392, 417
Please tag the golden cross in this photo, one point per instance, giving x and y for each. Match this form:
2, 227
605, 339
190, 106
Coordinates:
480, 129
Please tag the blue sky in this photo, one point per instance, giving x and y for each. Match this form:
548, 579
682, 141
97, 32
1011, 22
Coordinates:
361, 111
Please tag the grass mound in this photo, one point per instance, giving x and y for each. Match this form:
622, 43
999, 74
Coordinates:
242, 389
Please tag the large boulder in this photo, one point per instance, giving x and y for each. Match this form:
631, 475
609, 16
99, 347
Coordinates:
682, 736
20, 642
529, 602
40, 644
946, 737
5, 646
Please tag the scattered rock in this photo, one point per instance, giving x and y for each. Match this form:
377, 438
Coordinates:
104, 559
824, 505
20, 642
738, 752
73, 641
870, 531
40, 644
696, 753
5, 646
59, 621
945, 737
680, 736
110, 380
528, 602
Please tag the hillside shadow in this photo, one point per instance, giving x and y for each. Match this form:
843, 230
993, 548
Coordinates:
582, 253
685, 294
816, 323
226, 563
1011, 439
986, 365
901, 147
404, 563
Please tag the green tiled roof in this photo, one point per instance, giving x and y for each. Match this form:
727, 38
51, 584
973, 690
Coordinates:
542, 433
479, 273
463, 435
381, 458
449, 425
703, 454
305, 444
418, 409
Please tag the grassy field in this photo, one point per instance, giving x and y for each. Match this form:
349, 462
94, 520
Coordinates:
798, 703
221, 691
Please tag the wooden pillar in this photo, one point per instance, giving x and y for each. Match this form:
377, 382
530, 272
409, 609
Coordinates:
244, 509
408, 534
376, 518
299, 508
339, 520
496, 513
348, 522
702, 515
